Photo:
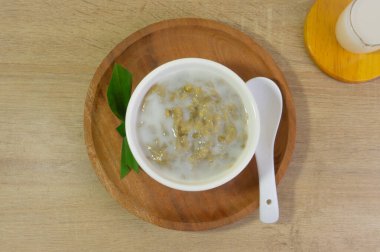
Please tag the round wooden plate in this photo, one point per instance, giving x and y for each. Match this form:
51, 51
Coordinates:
143, 51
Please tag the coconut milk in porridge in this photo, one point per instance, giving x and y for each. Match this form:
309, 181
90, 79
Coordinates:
192, 125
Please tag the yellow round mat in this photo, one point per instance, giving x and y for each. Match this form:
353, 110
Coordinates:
328, 54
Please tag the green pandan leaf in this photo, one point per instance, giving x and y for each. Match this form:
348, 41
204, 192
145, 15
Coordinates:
119, 91
124, 168
121, 129
118, 95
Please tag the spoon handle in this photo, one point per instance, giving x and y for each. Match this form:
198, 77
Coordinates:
269, 211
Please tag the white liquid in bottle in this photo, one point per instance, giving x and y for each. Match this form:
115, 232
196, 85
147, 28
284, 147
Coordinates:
358, 27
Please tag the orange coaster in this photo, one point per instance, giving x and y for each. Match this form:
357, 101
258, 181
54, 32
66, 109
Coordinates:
328, 54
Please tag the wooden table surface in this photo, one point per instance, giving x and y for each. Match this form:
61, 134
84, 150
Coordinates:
50, 197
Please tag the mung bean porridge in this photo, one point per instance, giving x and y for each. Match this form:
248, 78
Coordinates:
192, 125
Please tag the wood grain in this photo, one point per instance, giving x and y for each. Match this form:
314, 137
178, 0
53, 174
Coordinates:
142, 52
50, 197
328, 54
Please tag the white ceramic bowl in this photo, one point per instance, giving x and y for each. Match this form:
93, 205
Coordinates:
134, 107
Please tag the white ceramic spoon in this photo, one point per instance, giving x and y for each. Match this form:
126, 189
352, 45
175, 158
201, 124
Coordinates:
269, 102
